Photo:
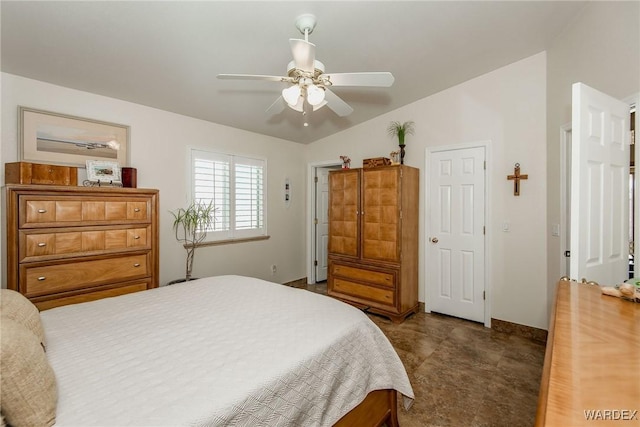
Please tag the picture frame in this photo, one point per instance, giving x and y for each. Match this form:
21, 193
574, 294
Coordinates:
106, 172
61, 139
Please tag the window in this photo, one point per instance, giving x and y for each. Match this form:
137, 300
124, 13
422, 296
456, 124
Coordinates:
236, 187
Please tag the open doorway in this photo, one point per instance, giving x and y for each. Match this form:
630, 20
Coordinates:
318, 220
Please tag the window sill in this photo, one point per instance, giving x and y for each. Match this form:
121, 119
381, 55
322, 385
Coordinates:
228, 241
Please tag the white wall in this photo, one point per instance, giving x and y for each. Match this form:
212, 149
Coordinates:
506, 107
158, 150
601, 48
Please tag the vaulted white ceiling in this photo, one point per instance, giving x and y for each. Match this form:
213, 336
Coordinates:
167, 54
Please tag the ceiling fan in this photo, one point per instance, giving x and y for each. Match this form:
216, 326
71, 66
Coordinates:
308, 88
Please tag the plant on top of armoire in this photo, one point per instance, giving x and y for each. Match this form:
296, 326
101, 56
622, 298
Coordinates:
401, 130
190, 225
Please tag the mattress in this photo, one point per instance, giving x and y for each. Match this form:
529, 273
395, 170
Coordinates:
225, 350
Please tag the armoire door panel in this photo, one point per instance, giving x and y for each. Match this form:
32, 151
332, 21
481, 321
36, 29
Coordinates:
379, 250
380, 214
343, 212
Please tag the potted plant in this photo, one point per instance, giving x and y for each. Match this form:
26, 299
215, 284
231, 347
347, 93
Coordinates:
401, 130
190, 226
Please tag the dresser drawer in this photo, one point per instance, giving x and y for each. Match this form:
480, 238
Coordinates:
45, 304
48, 279
362, 274
362, 291
38, 211
53, 245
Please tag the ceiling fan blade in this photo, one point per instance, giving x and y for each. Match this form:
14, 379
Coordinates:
336, 103
304, 54
254, 77
377, 79
277, 107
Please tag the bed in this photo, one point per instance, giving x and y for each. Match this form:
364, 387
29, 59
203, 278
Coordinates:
225, 350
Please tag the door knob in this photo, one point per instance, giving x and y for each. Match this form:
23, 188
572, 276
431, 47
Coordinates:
434, 240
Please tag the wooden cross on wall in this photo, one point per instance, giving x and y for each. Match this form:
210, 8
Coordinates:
516, 177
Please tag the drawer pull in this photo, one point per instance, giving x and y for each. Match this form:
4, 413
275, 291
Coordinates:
136, 209
136, 265
42, 211
42, 244
41, 278
136, 237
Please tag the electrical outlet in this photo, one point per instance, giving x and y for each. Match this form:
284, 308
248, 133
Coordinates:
273, 269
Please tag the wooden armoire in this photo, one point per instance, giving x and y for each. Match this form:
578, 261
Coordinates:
373, 239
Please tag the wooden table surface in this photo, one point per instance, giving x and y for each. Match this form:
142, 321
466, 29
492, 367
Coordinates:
591, 370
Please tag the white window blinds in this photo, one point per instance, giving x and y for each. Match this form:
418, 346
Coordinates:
236, 186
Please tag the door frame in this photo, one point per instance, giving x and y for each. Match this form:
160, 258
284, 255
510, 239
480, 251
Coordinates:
634, 103
486, 144
311, 210
565, 244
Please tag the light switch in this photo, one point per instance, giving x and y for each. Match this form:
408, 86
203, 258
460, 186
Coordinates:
555, 230
505, 227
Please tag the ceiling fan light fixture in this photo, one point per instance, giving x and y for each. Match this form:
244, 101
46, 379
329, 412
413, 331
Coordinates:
299, 106
319, 106
315, 95
291, 94
309, 88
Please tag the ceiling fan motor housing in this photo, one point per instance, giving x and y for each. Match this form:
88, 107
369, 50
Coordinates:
297, 74
306, 23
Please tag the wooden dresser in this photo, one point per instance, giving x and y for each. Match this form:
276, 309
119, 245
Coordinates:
68, 244
373, 239
591, 372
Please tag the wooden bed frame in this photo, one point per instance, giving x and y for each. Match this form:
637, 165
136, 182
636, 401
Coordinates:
378, 408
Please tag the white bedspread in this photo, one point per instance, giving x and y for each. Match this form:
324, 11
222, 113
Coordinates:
226, 350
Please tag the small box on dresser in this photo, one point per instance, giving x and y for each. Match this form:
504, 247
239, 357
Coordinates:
375, 162
73, 244
35, 173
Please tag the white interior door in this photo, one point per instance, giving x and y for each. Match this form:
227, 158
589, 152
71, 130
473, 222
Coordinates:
455, 244
599, 187
322, 223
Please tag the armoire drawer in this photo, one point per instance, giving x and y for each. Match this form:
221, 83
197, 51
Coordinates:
48, 279
58, 244
40, 210
362, 291
382, 278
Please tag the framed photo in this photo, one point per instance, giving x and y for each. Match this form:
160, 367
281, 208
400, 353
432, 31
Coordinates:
61, 139
103, 171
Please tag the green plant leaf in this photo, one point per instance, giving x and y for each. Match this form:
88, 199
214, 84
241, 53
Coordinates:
190, 226
401, 130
